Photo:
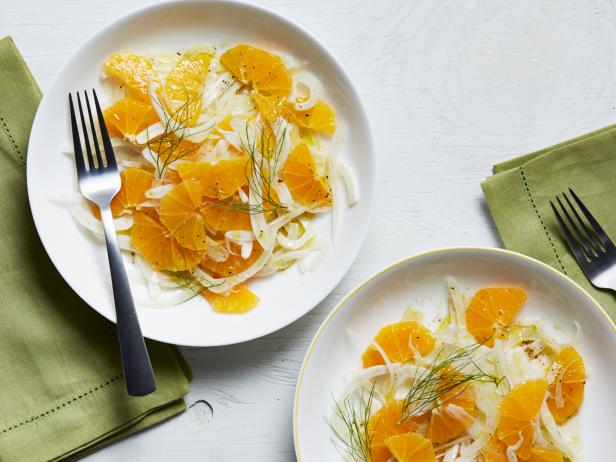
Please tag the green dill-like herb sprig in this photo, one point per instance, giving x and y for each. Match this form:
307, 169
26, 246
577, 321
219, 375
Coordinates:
169, 147
448, 372
264, 150
185, 280
353, 440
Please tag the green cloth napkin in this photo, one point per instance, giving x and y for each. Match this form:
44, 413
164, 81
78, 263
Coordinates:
519, 192
62, 392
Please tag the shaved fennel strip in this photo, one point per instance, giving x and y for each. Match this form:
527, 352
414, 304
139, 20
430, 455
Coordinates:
221, 285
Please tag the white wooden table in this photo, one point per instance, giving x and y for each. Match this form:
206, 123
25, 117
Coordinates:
451, 87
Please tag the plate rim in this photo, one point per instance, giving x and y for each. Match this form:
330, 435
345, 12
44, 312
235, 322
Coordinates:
443, 250
322, 49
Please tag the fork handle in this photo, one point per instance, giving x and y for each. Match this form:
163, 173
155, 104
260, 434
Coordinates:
138, 373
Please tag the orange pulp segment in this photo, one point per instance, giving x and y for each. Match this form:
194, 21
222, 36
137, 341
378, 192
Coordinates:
452, 415
134, 73
570, 376
134, 183
269, 106
219, 179
411, 447
128, 117
237, 300
495, 450
180, 213
156, 244
491, 310
168, 149
383, 424
538, 454
299, 176
396, 340
184, 87
517, 412
321, 117
223, 217
234, 264
259, 70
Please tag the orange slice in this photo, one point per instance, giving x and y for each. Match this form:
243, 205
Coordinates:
538, 454
129, 116
168, 149
234, 264
237, 300
134, 73
452, 415
396, 340
411, 447
259, 70
184, 87
269, 106
299, 176
321, 117
224, 217
180, 213
135, 182
220, 179
570, 375
517, 412
384, 424
495, 450
491, 310
154, 241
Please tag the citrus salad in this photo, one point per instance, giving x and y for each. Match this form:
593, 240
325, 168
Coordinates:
475, 386
226, 157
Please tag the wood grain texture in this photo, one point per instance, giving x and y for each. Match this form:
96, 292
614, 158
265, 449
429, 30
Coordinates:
451, 88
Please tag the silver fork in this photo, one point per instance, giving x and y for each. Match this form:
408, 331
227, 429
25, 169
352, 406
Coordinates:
99, 181
590, 244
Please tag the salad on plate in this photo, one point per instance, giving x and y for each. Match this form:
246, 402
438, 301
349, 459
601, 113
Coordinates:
227, 156
476, 385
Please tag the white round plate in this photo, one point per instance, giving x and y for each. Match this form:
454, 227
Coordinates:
176, 26
419, 281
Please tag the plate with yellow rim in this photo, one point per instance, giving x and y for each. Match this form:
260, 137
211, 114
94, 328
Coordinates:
419, 281
172, 26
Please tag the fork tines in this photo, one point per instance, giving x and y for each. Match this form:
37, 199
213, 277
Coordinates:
585, 236
94, 159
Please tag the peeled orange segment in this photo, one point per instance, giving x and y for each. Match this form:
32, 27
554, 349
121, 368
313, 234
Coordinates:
259, 70
234, 264
223, 217
180, 213
129, 116
321, 117
225, 124
134, 73
156, 244
135, 182
237, 300
268, 106
219, 179
495, 451
566, 391
452, 416
384, 424
411, 447
184, 87
300, 177
168, 149
396, 340
491, 310
538, 454
517, 413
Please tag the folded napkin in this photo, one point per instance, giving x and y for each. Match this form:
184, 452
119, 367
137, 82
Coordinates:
519, 192
62, 392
